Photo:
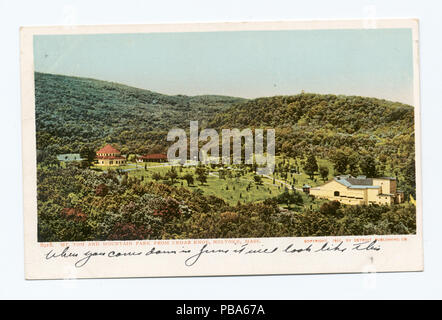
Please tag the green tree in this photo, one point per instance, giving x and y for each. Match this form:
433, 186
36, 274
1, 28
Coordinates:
340, 161
330, 207
202, 178
88, 154
201, 174
353, 162
172, 175
368, 166
131, 158
189, 178
289, 198
258, 179
323, 171
157, 176
310, 166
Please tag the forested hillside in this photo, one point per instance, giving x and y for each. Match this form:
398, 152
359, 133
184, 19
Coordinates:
72, 113
359, 135
325, 122
80, 115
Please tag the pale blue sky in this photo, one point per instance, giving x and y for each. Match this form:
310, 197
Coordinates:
370, 62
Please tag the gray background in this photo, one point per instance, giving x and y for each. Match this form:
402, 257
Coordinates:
14, 14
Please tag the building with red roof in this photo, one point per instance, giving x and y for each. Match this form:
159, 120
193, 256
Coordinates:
155, 157
109, 156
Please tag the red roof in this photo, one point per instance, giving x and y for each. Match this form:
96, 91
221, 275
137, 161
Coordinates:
155, 156
108, 149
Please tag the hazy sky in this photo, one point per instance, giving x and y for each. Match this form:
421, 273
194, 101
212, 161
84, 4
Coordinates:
367, 62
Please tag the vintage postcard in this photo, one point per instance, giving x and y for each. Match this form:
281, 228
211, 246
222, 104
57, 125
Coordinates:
221, 149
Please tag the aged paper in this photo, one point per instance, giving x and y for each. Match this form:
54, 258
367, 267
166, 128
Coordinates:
221, 149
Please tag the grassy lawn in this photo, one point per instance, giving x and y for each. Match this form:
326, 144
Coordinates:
230, 189
234, 189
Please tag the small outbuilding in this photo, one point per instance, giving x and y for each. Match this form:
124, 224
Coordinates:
155, 157
306, 188
68, 157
